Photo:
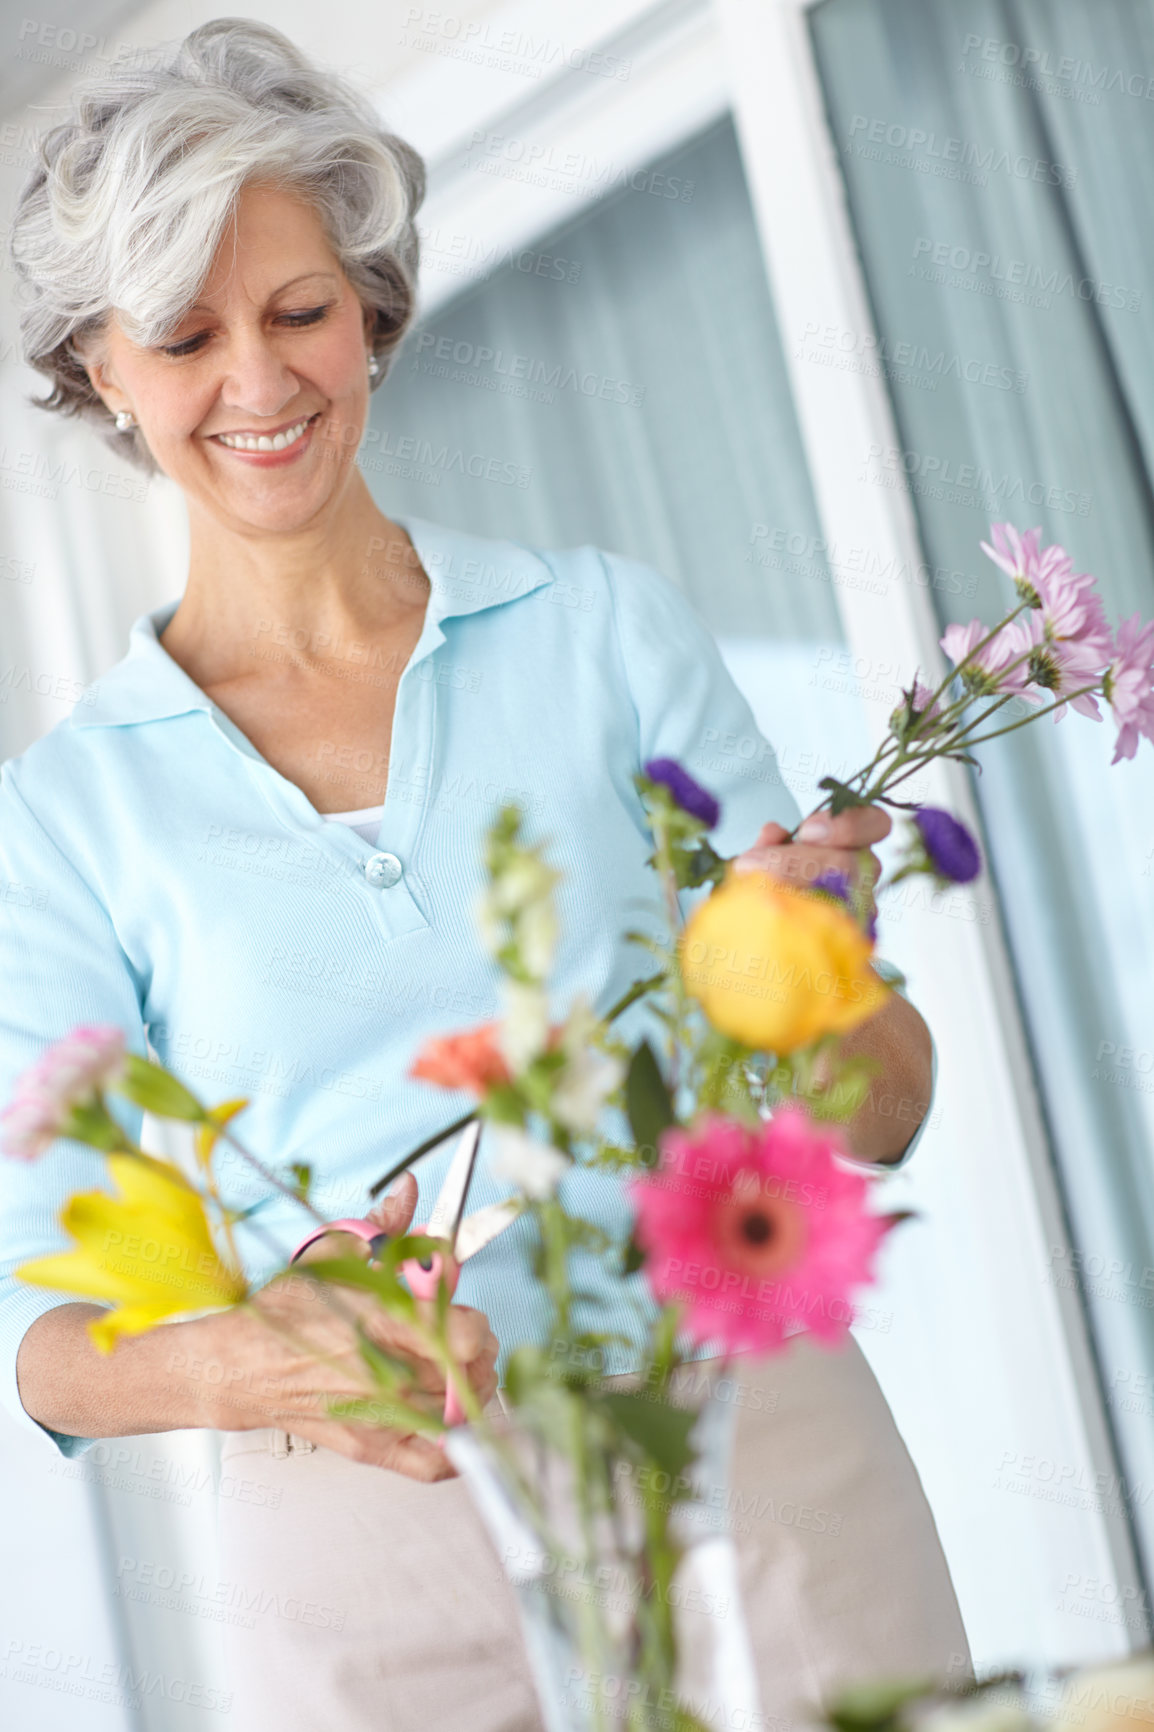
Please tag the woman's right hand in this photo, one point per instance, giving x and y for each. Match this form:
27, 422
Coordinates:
278, 1360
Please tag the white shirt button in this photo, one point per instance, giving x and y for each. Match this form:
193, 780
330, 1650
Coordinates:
383, 871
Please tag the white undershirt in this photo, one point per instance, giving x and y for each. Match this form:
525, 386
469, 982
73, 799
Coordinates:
366, 822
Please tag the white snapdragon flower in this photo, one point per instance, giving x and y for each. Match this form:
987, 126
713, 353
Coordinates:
534, 1167
518, 907
524, 881
589, 1076
537, 936
583, 1087
491, 925
524, 1026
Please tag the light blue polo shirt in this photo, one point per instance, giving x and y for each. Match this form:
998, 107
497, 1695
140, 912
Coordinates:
157, 873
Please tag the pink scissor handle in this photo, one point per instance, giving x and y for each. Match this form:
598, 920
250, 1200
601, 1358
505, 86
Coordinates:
366, 1230
423, 1284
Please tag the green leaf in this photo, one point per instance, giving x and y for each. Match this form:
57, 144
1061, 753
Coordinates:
504, 1105
875, 1706
391, 1373
553, 1413
150, 1086
302, 1178
527, 1367
647, 1099
91, 1122
844, 1097
379, 1410
659, 1428
633, 1258
355, 1272
842, 797
612, 1157
583, 1235
702, 865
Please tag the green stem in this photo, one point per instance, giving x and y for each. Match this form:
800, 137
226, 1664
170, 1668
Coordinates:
269, 1176
940, 724
422, 1149
1036, 715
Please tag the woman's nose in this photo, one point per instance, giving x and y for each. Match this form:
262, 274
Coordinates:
256, 379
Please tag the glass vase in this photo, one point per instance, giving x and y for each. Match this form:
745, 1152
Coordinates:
582, 1585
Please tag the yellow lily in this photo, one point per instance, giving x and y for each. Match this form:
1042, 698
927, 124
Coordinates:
148, 1248
776, 967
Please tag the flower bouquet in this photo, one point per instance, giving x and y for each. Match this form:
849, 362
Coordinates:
720, 1114
1116, 1697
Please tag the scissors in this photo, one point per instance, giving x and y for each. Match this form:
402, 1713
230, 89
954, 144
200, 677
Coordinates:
465, 1235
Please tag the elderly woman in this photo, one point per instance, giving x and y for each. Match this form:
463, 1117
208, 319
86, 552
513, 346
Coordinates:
244, 846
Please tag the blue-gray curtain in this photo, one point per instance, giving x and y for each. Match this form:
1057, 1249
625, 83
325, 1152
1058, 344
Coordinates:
999, 161
634, 380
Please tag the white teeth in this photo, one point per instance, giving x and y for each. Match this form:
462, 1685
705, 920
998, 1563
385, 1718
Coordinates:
262, 442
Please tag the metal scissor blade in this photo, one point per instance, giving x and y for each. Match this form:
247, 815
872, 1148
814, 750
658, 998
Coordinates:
450, 1205
483, 1225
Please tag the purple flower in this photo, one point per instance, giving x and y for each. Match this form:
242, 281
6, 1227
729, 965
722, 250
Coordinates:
1128, 686
687, 793
837, 884
833, 883
950, 849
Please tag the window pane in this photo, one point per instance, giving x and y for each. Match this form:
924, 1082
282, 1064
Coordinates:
997, 181
628, 370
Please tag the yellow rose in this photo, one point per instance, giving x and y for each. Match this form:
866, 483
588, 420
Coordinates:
149, 1249
1117, 1698
776, 967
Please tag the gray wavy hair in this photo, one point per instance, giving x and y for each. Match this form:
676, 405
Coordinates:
131, 194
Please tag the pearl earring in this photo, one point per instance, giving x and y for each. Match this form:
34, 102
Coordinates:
125, 420
374, 367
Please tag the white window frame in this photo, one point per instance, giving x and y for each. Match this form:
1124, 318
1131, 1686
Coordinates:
988, 1165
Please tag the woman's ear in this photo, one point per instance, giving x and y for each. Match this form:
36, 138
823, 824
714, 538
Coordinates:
91, 355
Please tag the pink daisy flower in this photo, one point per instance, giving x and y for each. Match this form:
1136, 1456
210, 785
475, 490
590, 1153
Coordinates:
920, 702
1058, 666
990, 672
69, 1074
1069, 602
757, 1230
1128, 686
1016, 554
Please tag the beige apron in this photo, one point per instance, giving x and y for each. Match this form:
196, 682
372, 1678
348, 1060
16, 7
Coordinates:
362, 1601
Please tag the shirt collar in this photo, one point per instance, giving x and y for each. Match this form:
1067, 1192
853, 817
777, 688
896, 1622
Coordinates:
467, 573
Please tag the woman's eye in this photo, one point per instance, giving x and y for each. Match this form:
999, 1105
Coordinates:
311, 316
187, 345
190, 345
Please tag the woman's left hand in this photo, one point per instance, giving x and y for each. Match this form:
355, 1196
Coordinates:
823, 844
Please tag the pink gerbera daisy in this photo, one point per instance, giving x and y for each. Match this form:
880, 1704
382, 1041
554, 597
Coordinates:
69, 1074
757, 1230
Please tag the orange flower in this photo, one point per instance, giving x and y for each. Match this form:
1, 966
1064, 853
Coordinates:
470, 1060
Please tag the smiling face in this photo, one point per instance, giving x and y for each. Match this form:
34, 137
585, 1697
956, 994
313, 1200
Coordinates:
256, 402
